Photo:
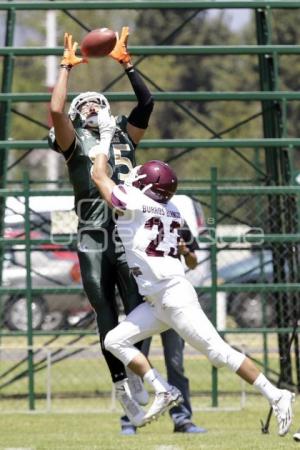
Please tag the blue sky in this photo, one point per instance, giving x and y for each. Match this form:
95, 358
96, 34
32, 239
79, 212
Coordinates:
237, 18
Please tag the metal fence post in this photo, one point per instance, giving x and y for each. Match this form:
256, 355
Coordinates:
214, 273
5, 123
48, 380
29, 295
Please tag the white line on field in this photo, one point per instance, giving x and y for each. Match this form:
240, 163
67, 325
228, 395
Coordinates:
166, 447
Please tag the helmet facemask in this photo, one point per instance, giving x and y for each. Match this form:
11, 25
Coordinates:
91, 121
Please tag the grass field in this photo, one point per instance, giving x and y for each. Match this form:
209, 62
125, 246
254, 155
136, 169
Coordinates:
98, 430
226, 430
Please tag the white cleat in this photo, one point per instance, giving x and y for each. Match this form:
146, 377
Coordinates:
162, 402
283, 411
131, 408
137, 388
296, 436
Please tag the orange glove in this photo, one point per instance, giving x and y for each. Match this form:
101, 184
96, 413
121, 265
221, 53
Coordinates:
70, 59
120, 53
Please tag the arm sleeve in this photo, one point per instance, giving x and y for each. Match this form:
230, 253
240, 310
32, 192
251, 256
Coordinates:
139, 116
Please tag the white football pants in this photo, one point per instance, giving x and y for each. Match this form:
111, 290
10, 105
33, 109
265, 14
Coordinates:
176, 307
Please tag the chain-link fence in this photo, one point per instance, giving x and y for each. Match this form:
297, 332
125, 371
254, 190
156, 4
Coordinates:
247, 281
247, 278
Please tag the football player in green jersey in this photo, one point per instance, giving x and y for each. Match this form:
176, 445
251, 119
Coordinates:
79, 134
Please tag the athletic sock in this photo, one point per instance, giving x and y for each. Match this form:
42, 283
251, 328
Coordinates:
266, 388
154, 378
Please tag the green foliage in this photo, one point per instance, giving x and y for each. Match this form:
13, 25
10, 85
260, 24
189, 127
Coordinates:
287, 32
166, 73
201, 73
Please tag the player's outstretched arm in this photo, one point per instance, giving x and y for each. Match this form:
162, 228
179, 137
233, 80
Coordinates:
139, 117
64, 131
104, 184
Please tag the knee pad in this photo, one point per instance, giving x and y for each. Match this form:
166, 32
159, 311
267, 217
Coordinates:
235, 359
218, 358
110, 342
123, 350
226, 356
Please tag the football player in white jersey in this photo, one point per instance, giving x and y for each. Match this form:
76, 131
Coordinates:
147, 224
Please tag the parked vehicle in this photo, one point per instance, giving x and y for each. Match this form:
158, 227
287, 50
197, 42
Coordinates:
52, 266
55, 266
247, 308
234, 266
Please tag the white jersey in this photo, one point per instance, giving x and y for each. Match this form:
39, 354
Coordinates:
149, 233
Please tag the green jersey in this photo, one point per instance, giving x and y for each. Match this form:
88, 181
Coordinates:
92, 211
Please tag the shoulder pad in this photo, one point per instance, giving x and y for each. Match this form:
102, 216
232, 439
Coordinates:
121, 122
52, 141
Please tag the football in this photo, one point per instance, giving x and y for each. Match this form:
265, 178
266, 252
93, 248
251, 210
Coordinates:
98, 42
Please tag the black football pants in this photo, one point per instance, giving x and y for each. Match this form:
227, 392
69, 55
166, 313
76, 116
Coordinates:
103, 267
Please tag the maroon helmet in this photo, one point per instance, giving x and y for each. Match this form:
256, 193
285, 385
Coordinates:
160, 178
